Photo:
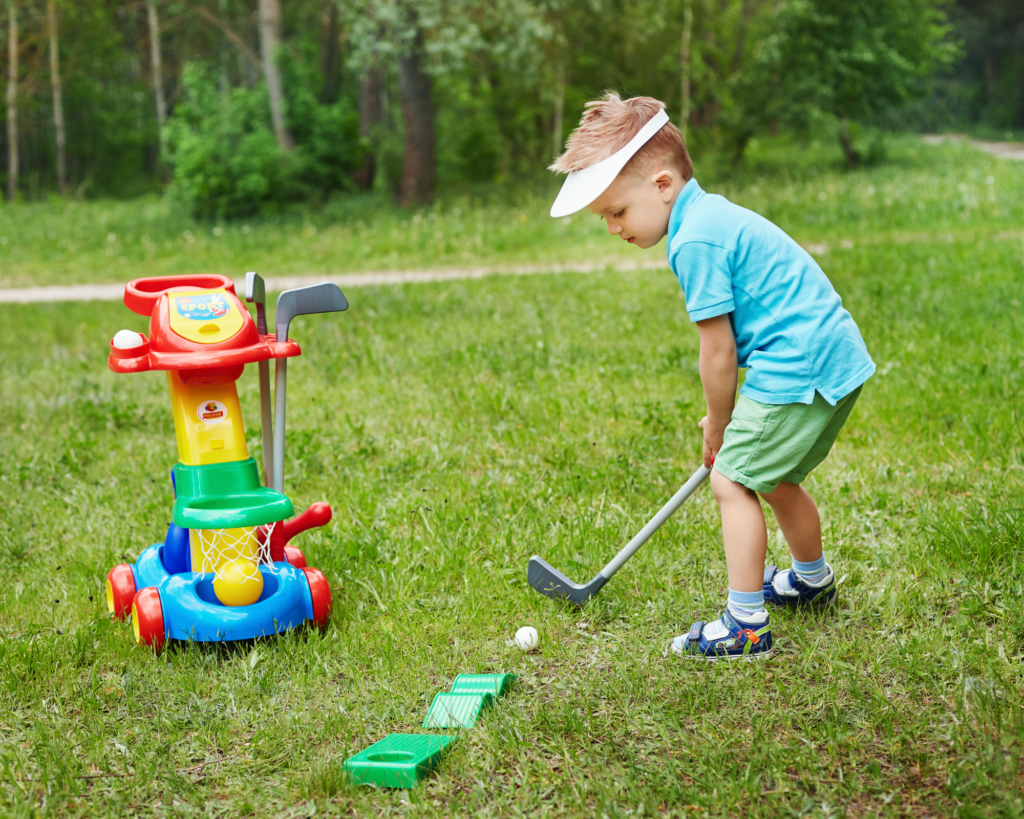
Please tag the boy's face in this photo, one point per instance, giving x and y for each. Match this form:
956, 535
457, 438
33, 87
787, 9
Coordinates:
638, 209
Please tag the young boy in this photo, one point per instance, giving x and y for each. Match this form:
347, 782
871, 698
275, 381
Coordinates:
760, 302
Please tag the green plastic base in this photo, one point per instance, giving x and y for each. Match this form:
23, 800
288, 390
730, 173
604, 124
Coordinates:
456, 710
398, 760
225, 496
494, 684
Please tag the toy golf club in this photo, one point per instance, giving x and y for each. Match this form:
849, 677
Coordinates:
302, 301
546, 579
225, 570
256, 292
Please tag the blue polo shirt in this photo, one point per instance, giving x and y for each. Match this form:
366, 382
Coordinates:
791, 328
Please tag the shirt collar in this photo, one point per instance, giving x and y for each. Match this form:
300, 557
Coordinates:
691, 190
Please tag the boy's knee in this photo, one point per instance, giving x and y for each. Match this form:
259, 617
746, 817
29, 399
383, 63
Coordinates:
782, 494
726, 489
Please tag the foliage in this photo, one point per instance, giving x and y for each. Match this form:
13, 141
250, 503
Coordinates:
840, 60
327, 142
757, 66
986, 86
459, 427
226, 160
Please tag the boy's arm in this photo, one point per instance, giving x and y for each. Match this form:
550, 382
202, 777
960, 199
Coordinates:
718, 374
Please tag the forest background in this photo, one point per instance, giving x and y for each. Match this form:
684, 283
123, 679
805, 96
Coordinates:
241, 107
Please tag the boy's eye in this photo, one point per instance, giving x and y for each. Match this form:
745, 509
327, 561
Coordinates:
619, 214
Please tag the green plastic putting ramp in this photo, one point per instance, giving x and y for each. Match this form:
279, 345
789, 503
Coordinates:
457, 710
494, 684
398, 760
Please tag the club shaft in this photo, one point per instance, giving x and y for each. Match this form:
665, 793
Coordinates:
655, 523
267, 422
280, 398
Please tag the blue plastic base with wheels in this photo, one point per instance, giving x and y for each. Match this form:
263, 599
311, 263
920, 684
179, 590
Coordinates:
192, 611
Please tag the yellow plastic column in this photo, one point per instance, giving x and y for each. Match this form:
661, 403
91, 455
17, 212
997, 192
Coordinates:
207, 422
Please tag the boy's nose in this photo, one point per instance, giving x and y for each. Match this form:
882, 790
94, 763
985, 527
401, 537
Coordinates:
614, 229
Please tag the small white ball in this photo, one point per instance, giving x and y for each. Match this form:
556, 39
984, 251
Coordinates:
526, 638
127, 340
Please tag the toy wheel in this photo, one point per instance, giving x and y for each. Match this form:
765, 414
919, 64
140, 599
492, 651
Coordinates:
120, 591
148, 618
295, 557
321, 594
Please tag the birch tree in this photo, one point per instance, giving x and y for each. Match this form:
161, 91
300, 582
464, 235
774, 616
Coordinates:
684, 66
12, 101
58, 105
270, 38
158, 73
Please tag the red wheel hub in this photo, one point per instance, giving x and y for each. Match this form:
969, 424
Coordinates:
321, 594
148, 618
120, 590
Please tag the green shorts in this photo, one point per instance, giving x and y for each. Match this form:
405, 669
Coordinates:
769, 444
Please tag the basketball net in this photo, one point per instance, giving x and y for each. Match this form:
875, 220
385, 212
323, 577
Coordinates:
245, 546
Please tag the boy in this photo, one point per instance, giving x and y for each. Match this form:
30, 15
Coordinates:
759, 301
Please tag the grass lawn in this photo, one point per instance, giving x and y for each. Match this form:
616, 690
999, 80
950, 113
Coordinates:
458, 428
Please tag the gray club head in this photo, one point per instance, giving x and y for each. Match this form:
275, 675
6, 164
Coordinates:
305, 301
256, 292
550, 582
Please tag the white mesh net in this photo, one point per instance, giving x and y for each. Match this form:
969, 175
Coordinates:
234, 557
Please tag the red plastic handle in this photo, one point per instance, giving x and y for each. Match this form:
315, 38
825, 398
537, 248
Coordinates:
319, 514
142, 295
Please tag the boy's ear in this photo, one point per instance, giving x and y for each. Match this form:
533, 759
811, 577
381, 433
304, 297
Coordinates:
665, 180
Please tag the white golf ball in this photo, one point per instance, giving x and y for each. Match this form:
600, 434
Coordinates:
127, 340
526, 638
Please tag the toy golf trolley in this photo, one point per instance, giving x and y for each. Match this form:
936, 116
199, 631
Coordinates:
225, 570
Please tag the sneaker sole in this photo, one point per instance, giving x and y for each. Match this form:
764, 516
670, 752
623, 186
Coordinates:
707, 658
798, 604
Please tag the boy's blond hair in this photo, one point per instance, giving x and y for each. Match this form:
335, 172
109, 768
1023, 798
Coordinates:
608, 124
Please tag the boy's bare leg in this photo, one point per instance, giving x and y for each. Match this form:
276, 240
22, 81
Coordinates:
799, 520
743, 533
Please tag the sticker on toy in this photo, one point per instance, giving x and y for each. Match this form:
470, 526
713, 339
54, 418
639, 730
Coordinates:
211, 412
201, 308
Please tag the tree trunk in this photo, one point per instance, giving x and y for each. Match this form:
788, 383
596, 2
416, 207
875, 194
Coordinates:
270, 37
371, 114
158, 73
222, 10
418, 170
684, 64
12, 103
556, 135
991, 84
851, 153
330, 55
58, 106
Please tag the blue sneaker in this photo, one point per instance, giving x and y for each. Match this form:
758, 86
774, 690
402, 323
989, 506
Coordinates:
787, 589
727, 638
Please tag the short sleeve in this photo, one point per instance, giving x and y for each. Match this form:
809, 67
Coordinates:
704, 271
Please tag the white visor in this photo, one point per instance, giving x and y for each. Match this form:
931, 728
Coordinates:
583, 187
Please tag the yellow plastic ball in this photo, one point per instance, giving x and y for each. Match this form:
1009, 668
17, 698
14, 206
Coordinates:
238, 583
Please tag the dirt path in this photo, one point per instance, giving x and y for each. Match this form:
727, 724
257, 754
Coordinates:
115, 291
1003, 150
